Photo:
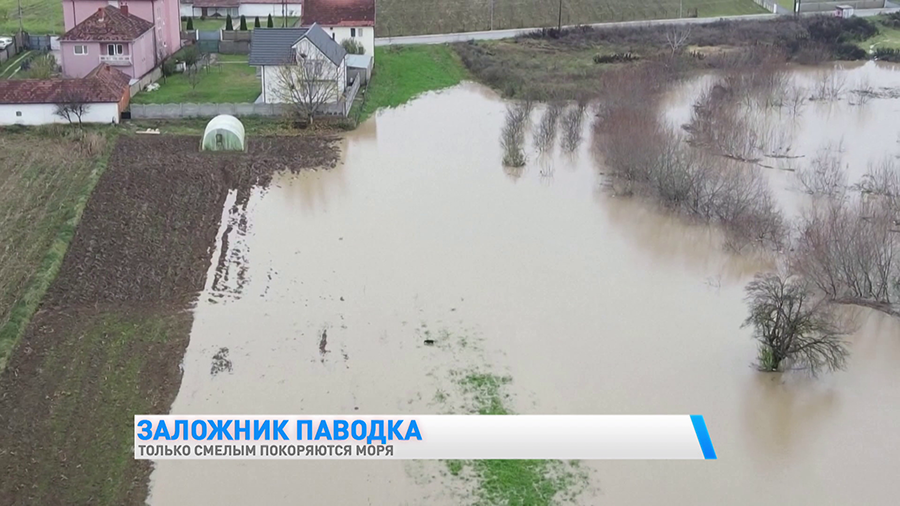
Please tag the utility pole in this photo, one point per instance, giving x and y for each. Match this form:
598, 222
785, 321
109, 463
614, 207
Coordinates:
559, 24
19, 6
492, 14
681, 9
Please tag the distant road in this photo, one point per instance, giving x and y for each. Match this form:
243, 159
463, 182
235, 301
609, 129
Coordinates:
444, 38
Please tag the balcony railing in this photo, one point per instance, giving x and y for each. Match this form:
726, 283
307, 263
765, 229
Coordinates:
118, 59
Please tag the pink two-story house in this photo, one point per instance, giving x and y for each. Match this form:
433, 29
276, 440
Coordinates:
134, 37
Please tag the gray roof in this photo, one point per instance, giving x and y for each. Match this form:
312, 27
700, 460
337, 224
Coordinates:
272, 46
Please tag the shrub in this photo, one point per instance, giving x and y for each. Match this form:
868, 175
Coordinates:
229, 25
256, 22
832, 30
847, 51
270, 23
42, 67
891, 20
887, 54
168, 68
353, 46
190, 24
243, 23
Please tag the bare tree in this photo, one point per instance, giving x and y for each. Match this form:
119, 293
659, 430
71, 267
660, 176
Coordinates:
794, 330
677, 37
572, 122
863, 92
512, 137
545, 134
829, 85
192, 73
73, 105
308, 83
825, 175
795, 98
850, 250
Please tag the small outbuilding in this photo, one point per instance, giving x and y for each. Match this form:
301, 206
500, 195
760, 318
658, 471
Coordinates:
359, 65
843, 11
223, 133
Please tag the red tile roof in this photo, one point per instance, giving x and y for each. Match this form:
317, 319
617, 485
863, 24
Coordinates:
103, 84
108, 24
339, 12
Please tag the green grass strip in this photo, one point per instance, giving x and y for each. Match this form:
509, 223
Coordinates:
22, 312
403, 72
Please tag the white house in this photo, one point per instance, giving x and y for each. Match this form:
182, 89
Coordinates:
237, 8
104, 91
277, 50
344, 19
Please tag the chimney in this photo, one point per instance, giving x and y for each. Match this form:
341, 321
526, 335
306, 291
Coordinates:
100, 12
123, 8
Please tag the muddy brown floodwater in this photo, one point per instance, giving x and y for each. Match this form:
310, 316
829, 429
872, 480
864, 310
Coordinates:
591, 304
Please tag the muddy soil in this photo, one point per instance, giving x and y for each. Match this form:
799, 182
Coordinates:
108, 340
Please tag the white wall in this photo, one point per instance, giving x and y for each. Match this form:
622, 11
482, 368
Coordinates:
263, 10
367, 36
42, 114
270, 74
185, 10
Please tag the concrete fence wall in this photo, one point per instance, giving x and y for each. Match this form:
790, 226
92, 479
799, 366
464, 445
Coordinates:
150, 77
179, 111
768, 5
234, 47
818, 6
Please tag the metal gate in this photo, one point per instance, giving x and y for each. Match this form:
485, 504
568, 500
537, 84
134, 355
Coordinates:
208, 41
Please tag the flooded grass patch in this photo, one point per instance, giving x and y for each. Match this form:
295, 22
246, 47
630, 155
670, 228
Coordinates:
510, 482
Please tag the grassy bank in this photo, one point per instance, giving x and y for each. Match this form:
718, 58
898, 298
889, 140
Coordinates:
402, 72
232, 80
47, 179
414, 17
547, 66
888, 34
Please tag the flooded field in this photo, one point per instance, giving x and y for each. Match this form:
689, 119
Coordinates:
327, 284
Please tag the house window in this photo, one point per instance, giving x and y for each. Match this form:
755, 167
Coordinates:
81, 50
114, 49
19, 113
353, 32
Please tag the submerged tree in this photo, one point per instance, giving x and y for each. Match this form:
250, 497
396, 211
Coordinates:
794, 330
512, 137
